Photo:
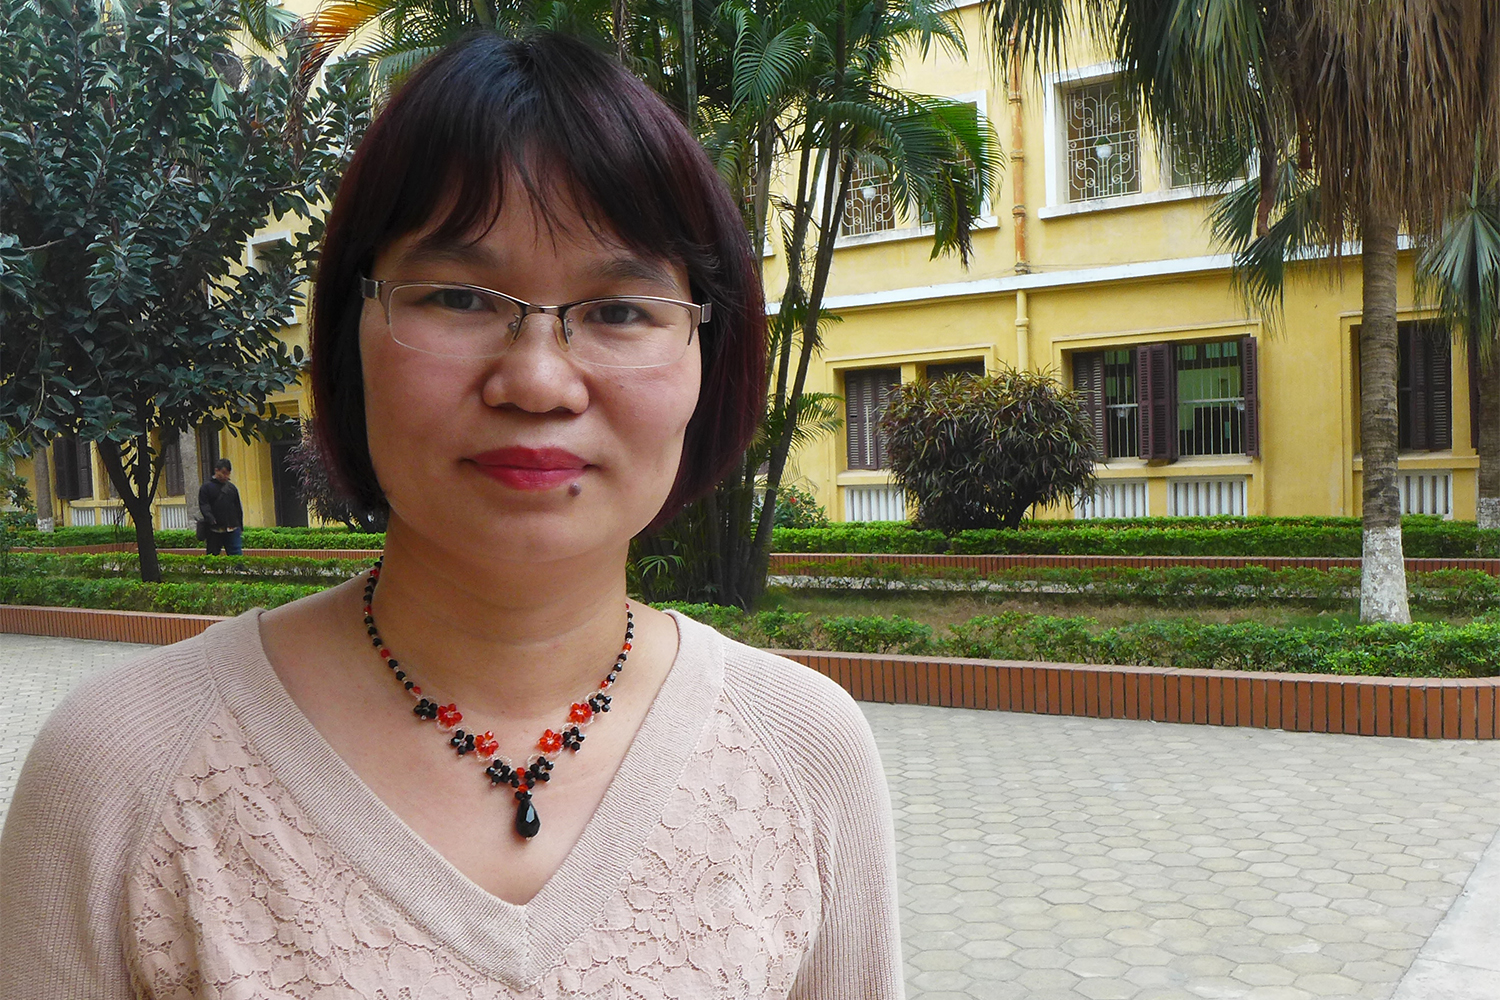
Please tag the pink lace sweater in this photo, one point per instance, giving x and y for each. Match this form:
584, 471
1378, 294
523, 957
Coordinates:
180, 830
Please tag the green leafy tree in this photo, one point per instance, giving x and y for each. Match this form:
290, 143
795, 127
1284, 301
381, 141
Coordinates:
1362, 115
138, 154
980, 451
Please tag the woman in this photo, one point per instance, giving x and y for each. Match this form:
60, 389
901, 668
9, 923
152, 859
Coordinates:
475, 770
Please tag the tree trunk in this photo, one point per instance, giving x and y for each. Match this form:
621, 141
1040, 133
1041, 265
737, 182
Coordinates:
1489, 438
42, 485
138, 504
1382, 590
689, 66
618, 13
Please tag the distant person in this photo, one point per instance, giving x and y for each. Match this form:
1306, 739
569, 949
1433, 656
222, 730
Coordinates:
223, 518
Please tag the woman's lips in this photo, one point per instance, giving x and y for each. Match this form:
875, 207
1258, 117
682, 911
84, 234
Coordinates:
530, 468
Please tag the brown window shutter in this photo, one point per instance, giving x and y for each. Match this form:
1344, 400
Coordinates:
1088, 382
885, 382
856, 419
1155, 385
1414, 353
171, 464
1250, 386
85, 470
1439, 346
65, 465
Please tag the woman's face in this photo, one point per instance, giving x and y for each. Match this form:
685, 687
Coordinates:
529, 456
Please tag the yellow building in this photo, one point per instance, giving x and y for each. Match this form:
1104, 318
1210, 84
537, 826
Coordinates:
1093, 260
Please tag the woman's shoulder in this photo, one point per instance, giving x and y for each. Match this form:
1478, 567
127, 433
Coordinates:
125, 727
805, 718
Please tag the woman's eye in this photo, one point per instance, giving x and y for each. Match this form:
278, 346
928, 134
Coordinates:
458, 299
616, 313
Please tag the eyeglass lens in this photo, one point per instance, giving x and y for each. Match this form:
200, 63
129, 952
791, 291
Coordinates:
620, 332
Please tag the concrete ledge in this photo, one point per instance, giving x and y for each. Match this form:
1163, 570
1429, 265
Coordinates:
1424, 707
109, 626
793, 562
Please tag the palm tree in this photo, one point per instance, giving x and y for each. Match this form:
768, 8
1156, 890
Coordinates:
1373, 104
1460, 271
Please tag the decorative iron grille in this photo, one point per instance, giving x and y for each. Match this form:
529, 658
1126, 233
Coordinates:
869, 208
1210, 399
1103, 142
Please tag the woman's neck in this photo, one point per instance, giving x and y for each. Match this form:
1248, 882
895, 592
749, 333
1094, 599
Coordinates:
502, 639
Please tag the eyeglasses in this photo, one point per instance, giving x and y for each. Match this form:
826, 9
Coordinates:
467, 321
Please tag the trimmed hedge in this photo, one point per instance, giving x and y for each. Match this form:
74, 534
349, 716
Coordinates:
254, 538
187, 569
1459, 591
1418, 650
1422, 537
133, 595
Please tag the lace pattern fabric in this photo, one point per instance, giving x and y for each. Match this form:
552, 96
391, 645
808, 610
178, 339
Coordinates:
237, 895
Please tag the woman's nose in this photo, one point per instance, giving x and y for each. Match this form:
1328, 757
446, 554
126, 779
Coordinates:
535, 373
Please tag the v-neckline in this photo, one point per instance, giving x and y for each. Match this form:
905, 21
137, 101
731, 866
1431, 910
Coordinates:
513, 942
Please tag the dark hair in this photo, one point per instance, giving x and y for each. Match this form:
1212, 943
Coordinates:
222, 463
551, 106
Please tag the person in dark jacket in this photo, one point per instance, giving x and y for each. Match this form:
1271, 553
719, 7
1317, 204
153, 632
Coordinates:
223, 519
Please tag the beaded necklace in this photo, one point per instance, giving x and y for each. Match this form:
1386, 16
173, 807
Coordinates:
524, 780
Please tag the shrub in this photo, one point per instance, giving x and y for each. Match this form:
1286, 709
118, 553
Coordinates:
133, 595
980, 451
875, 634
798, 508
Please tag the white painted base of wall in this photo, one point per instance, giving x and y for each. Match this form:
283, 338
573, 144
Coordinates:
45, 524
1489, 512
1382, 592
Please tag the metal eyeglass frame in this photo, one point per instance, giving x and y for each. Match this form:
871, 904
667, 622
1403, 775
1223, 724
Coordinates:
380, 290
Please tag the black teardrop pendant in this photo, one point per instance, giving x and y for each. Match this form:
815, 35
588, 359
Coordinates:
527, 821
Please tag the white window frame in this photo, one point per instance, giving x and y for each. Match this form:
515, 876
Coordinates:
987, 218
252, 259
1055, 152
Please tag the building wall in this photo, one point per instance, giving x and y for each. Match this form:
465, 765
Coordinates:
1108, 273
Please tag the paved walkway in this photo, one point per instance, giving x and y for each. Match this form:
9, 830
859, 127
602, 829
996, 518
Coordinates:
1056, 859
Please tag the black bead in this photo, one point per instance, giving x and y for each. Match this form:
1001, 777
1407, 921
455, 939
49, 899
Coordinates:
395, 663
410, 685
528, 823
400, 674
371, 630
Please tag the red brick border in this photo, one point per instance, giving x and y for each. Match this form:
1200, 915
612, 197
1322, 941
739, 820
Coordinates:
785, 562
111, 626
1424, 707
1428, 707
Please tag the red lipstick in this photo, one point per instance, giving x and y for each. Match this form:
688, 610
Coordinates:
530, 468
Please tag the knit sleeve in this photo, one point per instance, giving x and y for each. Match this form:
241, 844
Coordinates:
92, 780
828, 748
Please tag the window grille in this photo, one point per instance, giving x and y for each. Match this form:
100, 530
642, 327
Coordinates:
869, 208
1206, 497
874, 503
1115, 498
865, 395
173, 515
1428, 492
1103, 142
1210, 399
1121, 410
